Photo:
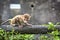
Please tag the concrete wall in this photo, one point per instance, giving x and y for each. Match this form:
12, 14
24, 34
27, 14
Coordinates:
42, 12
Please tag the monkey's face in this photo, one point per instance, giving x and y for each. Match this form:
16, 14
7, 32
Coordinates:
27, 17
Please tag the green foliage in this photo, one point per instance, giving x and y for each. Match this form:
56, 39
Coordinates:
14, 35
50, 26
46, 37
17, 36
54, 33
42, 37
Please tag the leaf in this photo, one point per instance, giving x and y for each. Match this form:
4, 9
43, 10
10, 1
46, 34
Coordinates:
55, 32
51, 26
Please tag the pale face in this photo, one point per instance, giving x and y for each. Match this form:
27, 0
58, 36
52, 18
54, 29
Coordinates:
27, 18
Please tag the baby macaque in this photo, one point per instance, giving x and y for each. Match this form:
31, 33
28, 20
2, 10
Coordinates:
20, 20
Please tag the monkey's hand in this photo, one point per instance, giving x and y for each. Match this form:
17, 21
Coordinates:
29, 24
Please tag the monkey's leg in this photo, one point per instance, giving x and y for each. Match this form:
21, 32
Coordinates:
12, 24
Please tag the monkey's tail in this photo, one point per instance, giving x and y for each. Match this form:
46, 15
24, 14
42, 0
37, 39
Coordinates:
5, 21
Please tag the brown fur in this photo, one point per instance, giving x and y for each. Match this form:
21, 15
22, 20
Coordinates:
20, 20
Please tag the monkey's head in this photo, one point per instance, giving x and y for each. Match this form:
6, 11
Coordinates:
27, 16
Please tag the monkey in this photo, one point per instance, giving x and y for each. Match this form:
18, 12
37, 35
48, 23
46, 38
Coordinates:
20, 20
